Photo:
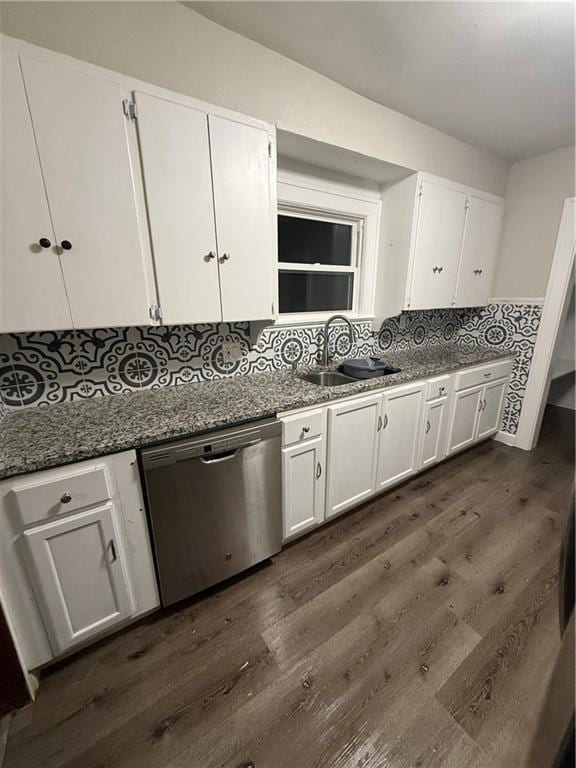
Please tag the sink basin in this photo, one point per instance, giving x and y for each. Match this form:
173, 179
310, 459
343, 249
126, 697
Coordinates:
327, 378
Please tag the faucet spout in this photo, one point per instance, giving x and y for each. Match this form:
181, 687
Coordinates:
342, 318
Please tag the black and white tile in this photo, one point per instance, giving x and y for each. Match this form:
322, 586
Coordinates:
55, 367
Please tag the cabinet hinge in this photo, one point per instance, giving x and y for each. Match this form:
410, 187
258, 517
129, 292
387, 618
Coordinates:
130, 110
155, 312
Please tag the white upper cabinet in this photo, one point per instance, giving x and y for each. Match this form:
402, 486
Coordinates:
175, 152
438, 245
479, 250
32, 292
85, 157
245, 223
439, 234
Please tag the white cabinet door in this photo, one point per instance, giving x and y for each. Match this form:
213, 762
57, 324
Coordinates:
464, 418
479, 249
244, 218
434, 429
77, 572
352, 451
32, 293
437, 247
176, 164
83, 145
492, 406
400, 434
304, 485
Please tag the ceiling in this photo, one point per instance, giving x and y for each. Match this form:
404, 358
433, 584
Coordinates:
497, 75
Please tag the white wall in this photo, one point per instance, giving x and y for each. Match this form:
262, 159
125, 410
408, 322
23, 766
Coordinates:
171, 46
536, 190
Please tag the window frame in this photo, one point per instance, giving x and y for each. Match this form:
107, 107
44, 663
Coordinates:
356, 251
306, 196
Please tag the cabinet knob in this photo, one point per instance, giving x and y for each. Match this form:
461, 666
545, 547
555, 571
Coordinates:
66, 498
225, 257
305, 430
66, 245
44, 242
210, 255
440, 269
442, 390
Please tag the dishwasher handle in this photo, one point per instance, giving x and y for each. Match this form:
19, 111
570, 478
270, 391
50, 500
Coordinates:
217, 458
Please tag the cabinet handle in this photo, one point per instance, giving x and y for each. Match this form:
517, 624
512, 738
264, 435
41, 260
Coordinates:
379, 426
440, 269
318, 470
484, 406
210, 255
66, 498
487, 375
434, 269
305, 430
427, 427
441, 390
112, 547
385, 421
44, 242
225, 257
66, 245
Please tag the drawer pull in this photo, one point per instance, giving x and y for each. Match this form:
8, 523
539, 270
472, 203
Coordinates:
441, 390
305, 430
66, 498
487, 375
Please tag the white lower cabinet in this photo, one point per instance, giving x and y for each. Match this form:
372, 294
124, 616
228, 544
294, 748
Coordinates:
352, 452
399, 434
492, 406
75, 555
303, 467
78, 571
464, 418
434, 432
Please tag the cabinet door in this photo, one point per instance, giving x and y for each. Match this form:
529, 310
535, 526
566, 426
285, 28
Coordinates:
84, 153
437, 247
77, 572
32, 293
352, 451
464, 419
304, 485
176, 165
400, 434
492, 406
245, 223
479, 250
434, 429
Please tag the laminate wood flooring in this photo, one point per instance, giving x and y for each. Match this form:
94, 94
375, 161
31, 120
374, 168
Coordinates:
418, 631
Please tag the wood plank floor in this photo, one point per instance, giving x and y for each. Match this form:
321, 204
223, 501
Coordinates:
417, 631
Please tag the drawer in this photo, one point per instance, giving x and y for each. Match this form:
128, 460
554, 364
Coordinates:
48, 494
303, 426
438, 387
483, 374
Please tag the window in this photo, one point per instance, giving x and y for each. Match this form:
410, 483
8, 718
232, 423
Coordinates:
318, 257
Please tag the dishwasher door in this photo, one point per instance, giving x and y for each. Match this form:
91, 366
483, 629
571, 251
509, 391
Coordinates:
215, 506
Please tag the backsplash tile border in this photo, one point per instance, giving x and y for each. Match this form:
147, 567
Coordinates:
42, 368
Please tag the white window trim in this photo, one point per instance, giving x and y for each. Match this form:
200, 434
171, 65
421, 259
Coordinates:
306, 196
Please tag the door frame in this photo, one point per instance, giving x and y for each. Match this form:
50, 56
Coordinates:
553, 316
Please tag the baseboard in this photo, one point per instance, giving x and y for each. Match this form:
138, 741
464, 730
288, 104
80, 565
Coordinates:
505, 437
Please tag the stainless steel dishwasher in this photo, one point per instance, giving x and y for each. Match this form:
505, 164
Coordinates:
214, 504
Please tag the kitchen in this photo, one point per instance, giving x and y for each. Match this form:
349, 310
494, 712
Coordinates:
274, 361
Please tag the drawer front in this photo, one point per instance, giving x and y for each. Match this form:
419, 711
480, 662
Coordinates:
47, 495
438, 387
303, 426
483, 374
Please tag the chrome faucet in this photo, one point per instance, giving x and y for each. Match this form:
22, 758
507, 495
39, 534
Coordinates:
325, 356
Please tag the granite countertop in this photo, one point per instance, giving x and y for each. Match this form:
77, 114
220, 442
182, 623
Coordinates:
39, 438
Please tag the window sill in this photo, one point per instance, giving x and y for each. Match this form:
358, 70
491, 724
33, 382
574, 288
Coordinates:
299, 321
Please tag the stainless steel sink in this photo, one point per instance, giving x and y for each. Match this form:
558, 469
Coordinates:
327, 378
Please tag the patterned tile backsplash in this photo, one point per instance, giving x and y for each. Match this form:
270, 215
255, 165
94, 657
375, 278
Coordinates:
54, 367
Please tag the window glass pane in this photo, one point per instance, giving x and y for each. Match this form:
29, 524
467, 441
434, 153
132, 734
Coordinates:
315, 291
310, 241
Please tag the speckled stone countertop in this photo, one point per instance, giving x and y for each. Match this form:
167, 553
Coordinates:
39, 438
